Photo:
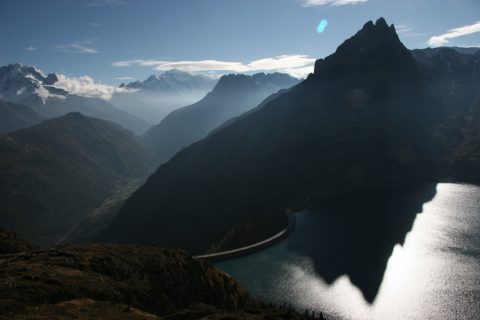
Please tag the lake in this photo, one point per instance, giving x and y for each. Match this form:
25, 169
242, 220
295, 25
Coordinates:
401, 253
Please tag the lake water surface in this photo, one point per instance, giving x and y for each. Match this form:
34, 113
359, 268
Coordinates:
416, 257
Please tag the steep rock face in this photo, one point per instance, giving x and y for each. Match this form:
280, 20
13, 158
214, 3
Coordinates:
232, 96
15, 116
54, 173
359, 121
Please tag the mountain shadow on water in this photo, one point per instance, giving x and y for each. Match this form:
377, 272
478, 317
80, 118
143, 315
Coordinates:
354, 234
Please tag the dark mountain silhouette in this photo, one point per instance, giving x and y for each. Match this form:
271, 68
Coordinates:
232, 96
15, 116
158, 95
28, 86
54, 173
463, 50
361, 120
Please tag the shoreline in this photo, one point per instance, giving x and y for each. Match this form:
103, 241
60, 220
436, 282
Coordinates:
246, 250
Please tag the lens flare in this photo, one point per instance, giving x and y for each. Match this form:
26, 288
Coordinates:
322, 25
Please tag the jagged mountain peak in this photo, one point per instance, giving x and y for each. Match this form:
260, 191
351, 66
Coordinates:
50, 79
17, 72
17, 69
374, 48
151, 78
234, 82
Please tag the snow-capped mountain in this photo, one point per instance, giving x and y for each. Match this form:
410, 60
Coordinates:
20, 83
173, 80
158, 95
29, 86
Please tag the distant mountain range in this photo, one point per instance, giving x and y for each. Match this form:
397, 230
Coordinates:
232, 96
56, 172
158, 95
451, 76
28, 86
461, 50
362, 120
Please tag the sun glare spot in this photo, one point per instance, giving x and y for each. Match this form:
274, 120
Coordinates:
322, 25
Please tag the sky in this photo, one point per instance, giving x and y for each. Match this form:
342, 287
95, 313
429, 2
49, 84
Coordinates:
107, 42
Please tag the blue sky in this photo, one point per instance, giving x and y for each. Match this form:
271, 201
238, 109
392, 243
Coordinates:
112, 40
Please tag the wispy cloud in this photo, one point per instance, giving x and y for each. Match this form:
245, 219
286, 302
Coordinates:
84, 46
31, 48
296, 64
408, 31
470, 46
125, 78
443, 39
403, 29
312, 3
87, 87
95, 24
105, 3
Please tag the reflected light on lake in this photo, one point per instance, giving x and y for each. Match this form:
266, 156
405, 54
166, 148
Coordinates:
435, 274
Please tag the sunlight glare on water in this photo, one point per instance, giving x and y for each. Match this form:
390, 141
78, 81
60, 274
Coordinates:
435, 274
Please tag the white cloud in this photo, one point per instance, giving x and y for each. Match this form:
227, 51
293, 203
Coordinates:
281, 62
443, 39
125, 78
95, 24
31, 48
84, 46
470, 46
105, 3
87, 87
408, 31
403, 30
296, 64
312, 3
44, 94
198, 66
